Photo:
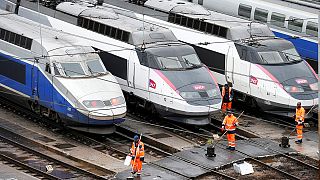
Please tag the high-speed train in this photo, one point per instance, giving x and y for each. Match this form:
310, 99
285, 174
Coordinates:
265, 71
155, 70
49, 73
294, 22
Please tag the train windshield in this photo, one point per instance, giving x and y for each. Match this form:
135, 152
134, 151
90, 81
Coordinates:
73, 69
174, 58
95, 67
279, 57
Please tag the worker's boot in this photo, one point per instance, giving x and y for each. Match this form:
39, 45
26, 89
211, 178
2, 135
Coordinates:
232, 148
228, 147
298, 141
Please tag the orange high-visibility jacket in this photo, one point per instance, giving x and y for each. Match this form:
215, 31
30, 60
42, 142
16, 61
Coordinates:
223, 92
300, 114
137, 151
230, 123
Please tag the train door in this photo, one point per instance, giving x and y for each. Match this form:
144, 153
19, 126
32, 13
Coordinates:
45, 87
141, 76
131, 71
229, 69
241, 69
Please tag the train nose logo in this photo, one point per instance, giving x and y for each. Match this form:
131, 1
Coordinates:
198, 87
301, 81
152, 84
253, 80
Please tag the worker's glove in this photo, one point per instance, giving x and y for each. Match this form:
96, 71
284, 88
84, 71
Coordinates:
234, 124
133, 157
222, 129
230, 98
142, 159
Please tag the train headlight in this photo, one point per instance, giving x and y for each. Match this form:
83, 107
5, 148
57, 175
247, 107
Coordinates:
314, 86
115, 101
293, 89
93, 104
190, 95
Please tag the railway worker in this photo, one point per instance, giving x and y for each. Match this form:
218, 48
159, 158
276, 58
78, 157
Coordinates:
137, 155
299, 118
229, 124
227, 96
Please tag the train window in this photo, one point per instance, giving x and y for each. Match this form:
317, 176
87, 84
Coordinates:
312, 28
143, 58
190, 22
244, 10
223, 32
108, 29
209, 28
177, 19
113, 32
261, 15
17, 39
278, 19
11, 38
29, 43
72, 69
96, 27
23, 41
85, 23
102, 28
2, 33
196, 23
125, 36
171, 17
90, 25
295, 24
95, 67
215, 29
203, 26
6, 37
200, 2
119, 34
183, 20
56, 71
48, 69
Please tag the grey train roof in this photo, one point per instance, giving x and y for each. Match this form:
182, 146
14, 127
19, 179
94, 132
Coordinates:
238, 28
124, 20
52, 41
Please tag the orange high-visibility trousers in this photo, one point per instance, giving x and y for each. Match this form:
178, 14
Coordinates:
226, 106
299, 131
231, 140
136, 165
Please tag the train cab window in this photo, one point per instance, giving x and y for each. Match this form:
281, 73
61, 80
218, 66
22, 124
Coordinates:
261, 15
95, 67
244, 10
278, 19
56, 71
312, 28
72, 69
2, 33
48, 69
295, 24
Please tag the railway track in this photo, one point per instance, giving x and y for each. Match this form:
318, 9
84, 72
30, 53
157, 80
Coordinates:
36, 163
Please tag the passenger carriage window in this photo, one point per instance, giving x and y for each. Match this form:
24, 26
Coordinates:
90, 24
29, 43
56, 71
17, 39
108, 29
209, 28
183, 20
244, 10
48, 69
196, 23
85, 23
277, 19
171, 17
23, 41
295, 24
102, 28
203, 26
6, 37
2, 33
11, 38
200, 2
96, 27
261, 15
177, 19
190, 22
312, 28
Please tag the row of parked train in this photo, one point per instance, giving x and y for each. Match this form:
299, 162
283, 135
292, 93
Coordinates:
83, 64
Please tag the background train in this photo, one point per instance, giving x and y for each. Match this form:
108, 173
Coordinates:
53, 76
156, 71
296, 23
265, 71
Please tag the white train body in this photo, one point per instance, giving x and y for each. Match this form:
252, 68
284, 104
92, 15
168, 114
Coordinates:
57, 77
266, 84
187, 95
302, 32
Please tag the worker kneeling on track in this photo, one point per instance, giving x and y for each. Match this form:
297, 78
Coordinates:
137, 155
299, 119
229, 124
